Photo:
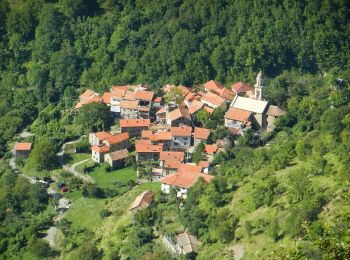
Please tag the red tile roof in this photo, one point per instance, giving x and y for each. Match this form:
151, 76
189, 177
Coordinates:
227, 94
118, 88
102, 135
213, 85
144, 200
144, 95
234, 130
240, 87
118, 155
157, 100
117, 138
201, 133
146, 134
90, 100
209, 109
88, 93
186, 167
211, 149
178, 113
118, 93
129, 104
195, 106
100, 149
106, 98
164, 136
185, 179
170, 155
23, 146
237, 114
203, 164
134, 123
181, 131
148, 148
129, 95
213, 99
161, 111
143, 142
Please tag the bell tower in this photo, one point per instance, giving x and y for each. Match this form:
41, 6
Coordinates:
259, 86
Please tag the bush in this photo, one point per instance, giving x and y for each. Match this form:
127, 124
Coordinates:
105, 213
82, 147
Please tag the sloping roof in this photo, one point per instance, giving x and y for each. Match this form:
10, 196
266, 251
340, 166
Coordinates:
129, 95
249, 104
134, 122
195, 106
144, 200
275, 111
129, 104
213, 85
95, 98
161, 110
237, 114
227, 94
170, 155
106, 98
118, 93
179, 112
102, 135
201, 133
211, 149
23, 146
234, 130
157, 100
146, 134
208, 109
117, 138
148, 148
213, 99
181, 131
143, 142
164, 136
100, 149
189, 167
188, 242
119, 155
240, 87
144, 95
203, 164
118, 88
185, 179
88, 93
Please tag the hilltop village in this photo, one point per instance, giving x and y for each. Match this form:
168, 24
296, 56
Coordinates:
165, 130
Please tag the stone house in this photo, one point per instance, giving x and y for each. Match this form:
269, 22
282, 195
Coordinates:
134, 126
116, 159
147, 152
22, 150
178, 116
201, 135
98, 153
143, 201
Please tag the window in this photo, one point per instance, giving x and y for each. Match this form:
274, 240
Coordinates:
185, 143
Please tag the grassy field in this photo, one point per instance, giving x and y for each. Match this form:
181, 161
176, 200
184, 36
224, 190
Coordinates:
77, 157
106, 179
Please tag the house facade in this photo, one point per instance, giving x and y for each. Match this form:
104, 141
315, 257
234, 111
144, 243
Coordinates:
134, 127
181, 137
22, 150
116, 159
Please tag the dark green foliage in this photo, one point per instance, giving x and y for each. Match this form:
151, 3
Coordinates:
94, 117
104, 213
199, 153
40, 248
43, 156
93, 191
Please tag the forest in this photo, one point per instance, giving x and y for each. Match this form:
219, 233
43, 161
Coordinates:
292, 193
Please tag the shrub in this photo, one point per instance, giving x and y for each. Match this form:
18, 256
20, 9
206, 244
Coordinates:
105, 213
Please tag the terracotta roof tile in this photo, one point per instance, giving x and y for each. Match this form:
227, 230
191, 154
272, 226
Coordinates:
170, 155
234, 130
185, 179
181, 131
240, 87
161, 111
178, 113
164, 136
209, 109
144, 95
102, 135
146, 134
237, 114
23, 146
134, 122
118, 155
88, 93
213, 99
118, 88
201, 133
144, 200
117, 138
129, 95
195, 106
93, 99
100, 149
203, 164
211, 149
129, 104
146, 148
158, 100
118, 93
106, 98
213, 85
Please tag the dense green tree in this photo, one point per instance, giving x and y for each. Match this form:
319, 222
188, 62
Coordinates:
43, 156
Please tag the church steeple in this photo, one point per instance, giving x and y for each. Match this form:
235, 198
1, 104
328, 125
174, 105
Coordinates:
259, 86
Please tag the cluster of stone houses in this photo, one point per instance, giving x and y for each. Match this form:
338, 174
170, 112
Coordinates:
166, 133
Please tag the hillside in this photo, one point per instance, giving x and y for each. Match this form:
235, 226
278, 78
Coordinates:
275, 195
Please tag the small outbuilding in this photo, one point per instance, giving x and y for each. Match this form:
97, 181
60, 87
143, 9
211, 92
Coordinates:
22, 150
144, 200
116, 159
